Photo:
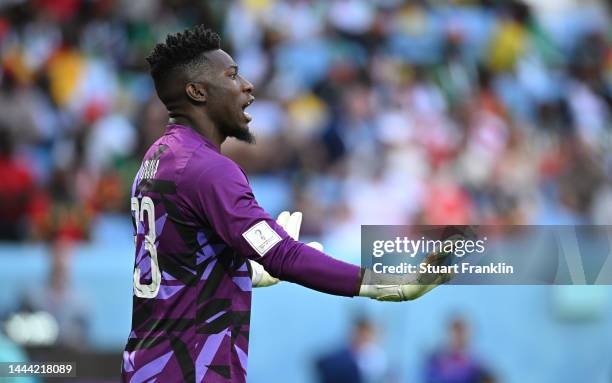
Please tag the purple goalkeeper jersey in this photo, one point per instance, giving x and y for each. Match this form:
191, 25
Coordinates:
196, 225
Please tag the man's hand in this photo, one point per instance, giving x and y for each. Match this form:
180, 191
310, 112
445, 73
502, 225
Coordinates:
291, 223
421, 285
261, 278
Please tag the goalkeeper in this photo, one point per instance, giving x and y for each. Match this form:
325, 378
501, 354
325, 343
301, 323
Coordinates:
201, 238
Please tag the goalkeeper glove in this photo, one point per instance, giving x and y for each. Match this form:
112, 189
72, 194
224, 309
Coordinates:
420, 284
417, 287
291, 223
260, 277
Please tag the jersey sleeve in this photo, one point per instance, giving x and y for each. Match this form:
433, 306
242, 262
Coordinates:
225, 199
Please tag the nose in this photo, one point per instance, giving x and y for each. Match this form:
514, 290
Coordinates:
246, 85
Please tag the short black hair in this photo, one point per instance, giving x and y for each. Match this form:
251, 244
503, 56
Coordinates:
181, 50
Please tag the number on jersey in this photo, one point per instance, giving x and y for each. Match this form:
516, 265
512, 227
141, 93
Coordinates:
152, 289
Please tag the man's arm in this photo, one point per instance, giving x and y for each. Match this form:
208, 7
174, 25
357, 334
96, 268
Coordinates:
227, 202
291, 223
421, 284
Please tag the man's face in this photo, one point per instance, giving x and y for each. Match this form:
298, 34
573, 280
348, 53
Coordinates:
228, 94
459, 335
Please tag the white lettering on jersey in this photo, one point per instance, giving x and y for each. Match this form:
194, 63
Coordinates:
149, 168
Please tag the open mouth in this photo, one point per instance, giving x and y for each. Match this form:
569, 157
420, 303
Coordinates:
246, 115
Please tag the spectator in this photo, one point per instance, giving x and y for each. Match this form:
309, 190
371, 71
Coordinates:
362, 360
454, 363
16, 191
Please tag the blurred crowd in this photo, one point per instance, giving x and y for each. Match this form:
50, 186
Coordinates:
367, 112
362, 359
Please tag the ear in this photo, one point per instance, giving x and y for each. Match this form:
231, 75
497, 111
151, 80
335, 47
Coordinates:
196, 92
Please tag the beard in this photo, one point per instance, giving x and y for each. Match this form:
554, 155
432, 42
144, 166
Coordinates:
240, 134
243, 135
230, 121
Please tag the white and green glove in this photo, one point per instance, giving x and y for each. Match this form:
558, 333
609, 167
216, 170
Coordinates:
291, 223
420, 285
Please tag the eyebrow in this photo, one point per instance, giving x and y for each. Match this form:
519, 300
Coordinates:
234, 66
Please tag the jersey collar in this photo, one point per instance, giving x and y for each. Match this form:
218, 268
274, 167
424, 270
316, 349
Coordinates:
192, 134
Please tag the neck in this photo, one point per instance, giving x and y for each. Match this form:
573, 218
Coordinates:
201, 124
